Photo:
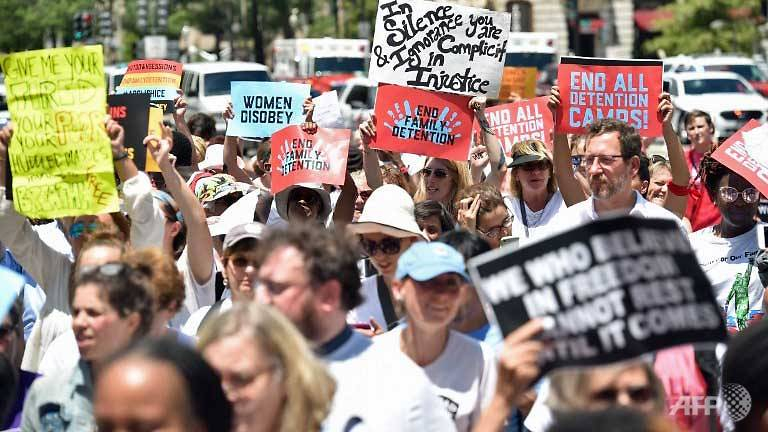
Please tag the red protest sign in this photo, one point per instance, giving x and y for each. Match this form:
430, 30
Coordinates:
298, 157
592, 89
745, 154
520, 121
410, 120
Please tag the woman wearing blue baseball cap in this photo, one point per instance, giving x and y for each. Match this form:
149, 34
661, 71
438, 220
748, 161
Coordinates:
429, 285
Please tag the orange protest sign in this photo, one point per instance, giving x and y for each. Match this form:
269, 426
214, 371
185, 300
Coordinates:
519, 80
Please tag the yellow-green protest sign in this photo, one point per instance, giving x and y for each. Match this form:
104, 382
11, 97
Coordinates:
60, 155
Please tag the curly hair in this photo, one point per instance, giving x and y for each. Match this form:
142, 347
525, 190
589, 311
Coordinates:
165, 280
329, 255
126, 290
711, 172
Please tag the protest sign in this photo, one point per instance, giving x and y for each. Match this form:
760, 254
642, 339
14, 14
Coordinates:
594, 88
327, 113
520, 121
153, 128
263, 108
299, 157
614, 289
745, 153
439, 46
518, 80
60, 156
158, 78
131, 111
422, 122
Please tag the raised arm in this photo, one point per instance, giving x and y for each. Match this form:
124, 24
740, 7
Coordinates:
561, 159
124, 165
677, 192
230, 151
492, 145
179, 115
199, 242
345, 205
370, 157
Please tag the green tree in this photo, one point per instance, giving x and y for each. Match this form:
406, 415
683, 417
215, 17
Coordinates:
702, 26
27, 23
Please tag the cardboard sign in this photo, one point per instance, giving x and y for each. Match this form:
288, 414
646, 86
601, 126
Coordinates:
263, 108
298, 157
153, 128
615, 289
158, 78
519, 80
439, 46
131, 111
422, 122
593, 88
745, 154
60, 156
520, 121
327, 113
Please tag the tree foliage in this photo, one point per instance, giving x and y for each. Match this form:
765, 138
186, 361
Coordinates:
691, 30
27, 22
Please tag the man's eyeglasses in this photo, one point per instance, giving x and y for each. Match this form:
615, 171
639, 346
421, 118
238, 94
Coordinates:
387, 246
577, 160
438, 172
498, 230
602, 160
749, 195
78, 229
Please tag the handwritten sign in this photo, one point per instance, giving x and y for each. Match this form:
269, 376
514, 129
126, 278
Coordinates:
60, 156
263, 108
131, 111
614, 289
520, 81
745, 154
422, 122
327, 111
439, 46
520, 121
592, 89
298, 157
157, 78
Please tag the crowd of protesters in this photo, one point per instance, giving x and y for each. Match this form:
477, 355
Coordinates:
208, 304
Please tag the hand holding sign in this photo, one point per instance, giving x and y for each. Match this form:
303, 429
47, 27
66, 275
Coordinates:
519, 362
665, 108
179, 106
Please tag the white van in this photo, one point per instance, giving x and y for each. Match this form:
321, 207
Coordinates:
206, 85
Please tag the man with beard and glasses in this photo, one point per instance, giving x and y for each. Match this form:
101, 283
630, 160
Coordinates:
310, 275
612, 158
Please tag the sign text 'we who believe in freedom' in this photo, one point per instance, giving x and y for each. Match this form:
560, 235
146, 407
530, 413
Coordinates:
439, 46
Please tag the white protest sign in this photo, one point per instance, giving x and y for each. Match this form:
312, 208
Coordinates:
439, 46
327, 113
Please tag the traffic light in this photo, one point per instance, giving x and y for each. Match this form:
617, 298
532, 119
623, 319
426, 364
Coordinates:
77, 26
87, 25
141, 15
162, 14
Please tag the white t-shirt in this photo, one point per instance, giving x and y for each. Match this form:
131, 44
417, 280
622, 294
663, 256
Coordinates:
381, 396
370, 307
584, 212
196, 295
537, 221
463, 376
192, 326
725, 260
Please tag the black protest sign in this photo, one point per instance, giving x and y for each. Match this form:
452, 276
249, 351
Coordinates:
615, 289
131, 111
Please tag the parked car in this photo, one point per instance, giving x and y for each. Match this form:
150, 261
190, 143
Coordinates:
356, 100
746, 67
726, 96
207, 85
5, 115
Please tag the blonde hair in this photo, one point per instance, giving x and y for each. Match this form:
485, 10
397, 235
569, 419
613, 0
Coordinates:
531, 147
198, 149
568, 387
460, 179
309, 388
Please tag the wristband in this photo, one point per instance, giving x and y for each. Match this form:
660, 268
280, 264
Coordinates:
678, 190
403, 169
122, 154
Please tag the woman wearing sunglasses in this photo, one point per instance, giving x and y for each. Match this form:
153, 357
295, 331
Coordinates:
535, 197
111, 308
386, 227
440, 180
727, 251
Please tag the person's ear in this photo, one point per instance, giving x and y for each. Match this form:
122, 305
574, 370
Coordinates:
175, 229
328, 296
644, 187
634, 165
133, 320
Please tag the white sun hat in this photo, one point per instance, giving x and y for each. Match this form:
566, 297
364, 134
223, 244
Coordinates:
389, 210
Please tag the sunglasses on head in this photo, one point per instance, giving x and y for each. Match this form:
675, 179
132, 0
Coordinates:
387, 246
439, 172
113, 269
78, 229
